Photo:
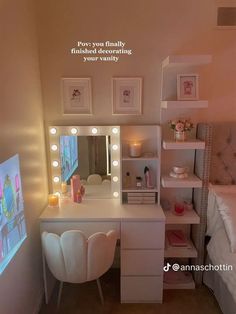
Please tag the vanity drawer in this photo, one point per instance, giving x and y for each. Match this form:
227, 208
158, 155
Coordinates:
87, 227
142, 262
141, 289
142, 235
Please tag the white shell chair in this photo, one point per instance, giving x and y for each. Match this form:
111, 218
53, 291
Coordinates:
94, 179
106, 181
73, 258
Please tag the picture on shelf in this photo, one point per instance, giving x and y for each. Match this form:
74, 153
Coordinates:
187, 87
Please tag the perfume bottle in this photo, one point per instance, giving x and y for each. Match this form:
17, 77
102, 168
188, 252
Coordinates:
78, 197
147, 178
127, 180
139, 182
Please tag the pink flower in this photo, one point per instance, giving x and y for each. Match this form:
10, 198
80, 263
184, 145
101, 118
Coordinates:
179, 127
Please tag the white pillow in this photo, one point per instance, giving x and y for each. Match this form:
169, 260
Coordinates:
227, 208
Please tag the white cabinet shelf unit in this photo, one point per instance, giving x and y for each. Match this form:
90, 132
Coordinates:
183, 252
186, 60
180, 104
189, 217
149, 136
192, 181
189, 144
194, 153
142, 256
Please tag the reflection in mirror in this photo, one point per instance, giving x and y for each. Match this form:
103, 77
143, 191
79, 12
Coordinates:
68, 156
85, 155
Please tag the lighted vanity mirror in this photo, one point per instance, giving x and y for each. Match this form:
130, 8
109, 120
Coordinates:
86, 150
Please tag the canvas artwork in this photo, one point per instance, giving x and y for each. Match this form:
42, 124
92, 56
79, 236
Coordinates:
127, 96
76, 96
12, 219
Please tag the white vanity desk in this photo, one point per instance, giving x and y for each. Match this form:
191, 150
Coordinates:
141, 231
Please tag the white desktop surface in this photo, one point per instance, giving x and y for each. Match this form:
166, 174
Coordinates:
102, 210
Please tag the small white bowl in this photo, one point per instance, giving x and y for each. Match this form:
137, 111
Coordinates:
179, 170
178, 176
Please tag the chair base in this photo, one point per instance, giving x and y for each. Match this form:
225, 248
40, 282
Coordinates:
61, 287
59, 294
100, 291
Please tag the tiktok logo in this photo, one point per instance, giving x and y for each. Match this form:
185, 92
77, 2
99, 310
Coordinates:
167, 267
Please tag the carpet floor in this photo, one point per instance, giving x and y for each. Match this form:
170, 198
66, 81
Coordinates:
84, 299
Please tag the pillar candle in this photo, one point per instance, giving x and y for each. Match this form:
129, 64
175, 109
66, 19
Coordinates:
53, 200
135, 149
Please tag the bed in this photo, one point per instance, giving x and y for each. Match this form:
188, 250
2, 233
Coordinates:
221, 217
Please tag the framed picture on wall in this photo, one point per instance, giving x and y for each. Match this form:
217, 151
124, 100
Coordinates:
76, 96
187, 87
127, 95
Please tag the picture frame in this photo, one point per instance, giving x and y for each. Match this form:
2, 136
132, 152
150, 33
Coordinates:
127, 95
187, 87
76, 96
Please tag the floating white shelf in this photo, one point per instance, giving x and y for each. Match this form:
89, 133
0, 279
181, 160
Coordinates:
140, 190
189, 144
187, 60
178, 104
140, 158
191, 182
184, 252
176, 286
189, 217
178, 280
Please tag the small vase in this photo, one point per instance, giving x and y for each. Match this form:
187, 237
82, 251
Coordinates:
180, 136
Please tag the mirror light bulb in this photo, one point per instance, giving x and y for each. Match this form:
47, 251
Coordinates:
94, 130
115, 179
56, 179
114, 130
53, 131
55, 163
114, 147
54, 147
115, 194
74, 131
115, 163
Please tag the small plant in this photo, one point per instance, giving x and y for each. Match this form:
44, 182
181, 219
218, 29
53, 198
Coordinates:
181, 125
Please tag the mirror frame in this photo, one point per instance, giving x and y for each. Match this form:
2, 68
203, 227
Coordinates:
54, 146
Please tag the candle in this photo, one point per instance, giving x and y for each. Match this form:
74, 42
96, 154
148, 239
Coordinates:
179, 208
63, 187
53, 200
135, 149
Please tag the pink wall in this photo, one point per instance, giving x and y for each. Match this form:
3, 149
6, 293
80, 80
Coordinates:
153, 29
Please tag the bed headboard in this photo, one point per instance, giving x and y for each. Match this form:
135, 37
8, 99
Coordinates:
223, 159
